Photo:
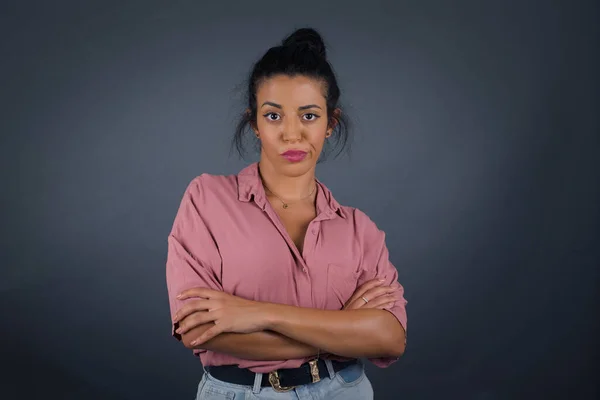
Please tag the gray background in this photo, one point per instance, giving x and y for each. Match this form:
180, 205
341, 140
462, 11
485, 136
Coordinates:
475, 150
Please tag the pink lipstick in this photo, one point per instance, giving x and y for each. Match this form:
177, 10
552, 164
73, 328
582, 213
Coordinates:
294, 155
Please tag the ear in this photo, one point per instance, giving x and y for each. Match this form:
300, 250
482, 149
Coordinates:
334, 121
252, 123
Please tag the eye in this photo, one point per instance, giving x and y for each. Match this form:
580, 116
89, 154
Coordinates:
310, 116
272, 116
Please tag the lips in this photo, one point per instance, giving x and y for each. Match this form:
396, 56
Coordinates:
294, 155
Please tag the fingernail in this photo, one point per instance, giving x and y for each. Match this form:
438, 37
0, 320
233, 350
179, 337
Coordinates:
179, 296
381, 280
193, 342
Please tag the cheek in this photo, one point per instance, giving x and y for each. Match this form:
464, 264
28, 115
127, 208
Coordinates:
317, 135
261, 125
268, 136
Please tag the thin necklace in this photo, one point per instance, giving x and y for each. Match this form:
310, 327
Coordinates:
286, 204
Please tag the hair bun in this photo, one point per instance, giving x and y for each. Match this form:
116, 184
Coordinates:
306, 37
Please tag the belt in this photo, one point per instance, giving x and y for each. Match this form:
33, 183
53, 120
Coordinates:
281, 380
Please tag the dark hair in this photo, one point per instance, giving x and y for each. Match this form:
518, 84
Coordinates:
301, 53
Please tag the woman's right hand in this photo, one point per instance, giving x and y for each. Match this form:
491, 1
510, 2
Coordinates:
378, 296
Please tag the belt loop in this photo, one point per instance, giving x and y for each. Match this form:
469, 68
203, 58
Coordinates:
330, 368
257, 383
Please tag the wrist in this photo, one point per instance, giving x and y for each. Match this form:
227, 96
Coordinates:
269, 315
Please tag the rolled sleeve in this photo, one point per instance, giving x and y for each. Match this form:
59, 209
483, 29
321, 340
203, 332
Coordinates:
398, 310
193, 258
378, 265
387, 271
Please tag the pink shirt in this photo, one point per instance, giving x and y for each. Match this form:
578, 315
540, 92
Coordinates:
226, 236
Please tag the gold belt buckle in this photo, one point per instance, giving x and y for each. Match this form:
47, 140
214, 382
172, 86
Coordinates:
276, 384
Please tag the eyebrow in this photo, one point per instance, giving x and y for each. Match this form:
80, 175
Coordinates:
306, 107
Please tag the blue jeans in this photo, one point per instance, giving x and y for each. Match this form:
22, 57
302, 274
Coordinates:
350, 383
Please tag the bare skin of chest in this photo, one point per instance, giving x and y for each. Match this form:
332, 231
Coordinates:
296, 219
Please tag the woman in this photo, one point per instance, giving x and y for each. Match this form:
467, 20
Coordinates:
277, 287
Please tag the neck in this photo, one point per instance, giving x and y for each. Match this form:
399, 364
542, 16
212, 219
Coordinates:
287, 187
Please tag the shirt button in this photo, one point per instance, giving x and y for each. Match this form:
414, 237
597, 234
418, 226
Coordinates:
304, 269
314, 231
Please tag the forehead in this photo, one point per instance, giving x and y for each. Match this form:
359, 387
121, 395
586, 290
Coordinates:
293, 91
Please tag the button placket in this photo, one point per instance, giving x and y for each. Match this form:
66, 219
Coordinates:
310, 241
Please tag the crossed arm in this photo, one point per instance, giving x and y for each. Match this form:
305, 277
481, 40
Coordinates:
253, 330
214, 320
260, 346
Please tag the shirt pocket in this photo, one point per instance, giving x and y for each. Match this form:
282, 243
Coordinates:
341, 284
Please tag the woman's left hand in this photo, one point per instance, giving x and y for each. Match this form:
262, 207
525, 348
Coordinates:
229, 313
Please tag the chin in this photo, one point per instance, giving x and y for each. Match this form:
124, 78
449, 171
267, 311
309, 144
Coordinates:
296, 169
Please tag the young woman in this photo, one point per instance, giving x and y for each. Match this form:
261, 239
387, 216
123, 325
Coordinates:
278, 288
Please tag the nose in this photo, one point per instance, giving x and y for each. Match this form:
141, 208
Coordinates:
292, 130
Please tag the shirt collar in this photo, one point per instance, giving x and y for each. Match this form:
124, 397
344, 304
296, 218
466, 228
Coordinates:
250, 188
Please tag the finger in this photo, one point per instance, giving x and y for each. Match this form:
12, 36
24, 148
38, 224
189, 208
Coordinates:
370, 295
208, 335
357, 303
377, 292
364, 288
375, 303
198, 292
196, 319
386, 305
380, 301
192, 307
